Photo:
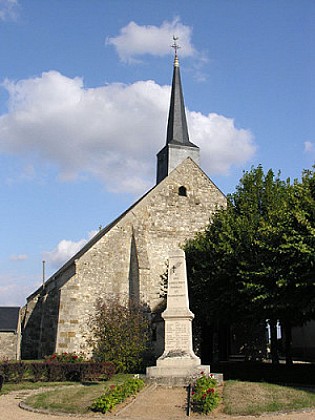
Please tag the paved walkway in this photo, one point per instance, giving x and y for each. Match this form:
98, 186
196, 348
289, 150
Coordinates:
154, 403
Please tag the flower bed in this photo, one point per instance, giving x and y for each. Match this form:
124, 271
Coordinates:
116, 394
204, 396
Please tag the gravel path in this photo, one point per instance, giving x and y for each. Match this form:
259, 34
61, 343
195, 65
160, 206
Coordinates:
154, 403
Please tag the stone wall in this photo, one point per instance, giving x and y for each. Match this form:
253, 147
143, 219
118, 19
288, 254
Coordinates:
9, 345
40, 317
31, 323
130, 257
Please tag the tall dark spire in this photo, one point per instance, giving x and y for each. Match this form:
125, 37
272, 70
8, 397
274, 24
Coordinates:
178, 145
177, 131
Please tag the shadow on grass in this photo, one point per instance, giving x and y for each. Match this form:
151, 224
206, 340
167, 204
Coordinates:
296, 375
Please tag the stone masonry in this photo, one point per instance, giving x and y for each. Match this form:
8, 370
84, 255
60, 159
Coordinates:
9, 345
127, 259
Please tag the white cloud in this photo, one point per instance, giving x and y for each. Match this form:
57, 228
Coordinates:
112, 132
136, 40
64, 250
8, 9
309, 147
222, 144
21, 257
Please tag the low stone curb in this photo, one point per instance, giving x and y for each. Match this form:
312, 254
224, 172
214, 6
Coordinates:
309, 413
26, 407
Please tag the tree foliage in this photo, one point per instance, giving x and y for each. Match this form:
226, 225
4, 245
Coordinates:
256, 259
121, 334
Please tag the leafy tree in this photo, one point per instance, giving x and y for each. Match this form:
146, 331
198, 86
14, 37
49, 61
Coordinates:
256, 259
213, 286
121, 334
280, 277
297, 251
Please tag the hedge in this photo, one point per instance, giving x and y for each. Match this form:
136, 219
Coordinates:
56, 371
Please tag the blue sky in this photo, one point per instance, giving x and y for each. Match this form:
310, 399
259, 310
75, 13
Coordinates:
84, 99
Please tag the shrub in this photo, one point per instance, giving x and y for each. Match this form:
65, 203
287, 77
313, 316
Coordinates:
85, 371
38, 371
117, 394
94, 371
54, 371
121, 334
19, 370
204, 396
13, 371
5, 370
75, 367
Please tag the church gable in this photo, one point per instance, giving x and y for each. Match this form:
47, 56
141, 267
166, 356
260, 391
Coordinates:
128, 257
126, 260
165, 208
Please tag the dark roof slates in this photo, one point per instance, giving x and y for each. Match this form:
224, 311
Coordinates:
9, 318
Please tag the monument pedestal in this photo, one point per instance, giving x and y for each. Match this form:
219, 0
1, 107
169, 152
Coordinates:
178, 360
177, 369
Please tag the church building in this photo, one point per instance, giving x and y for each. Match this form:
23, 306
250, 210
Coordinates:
128, 257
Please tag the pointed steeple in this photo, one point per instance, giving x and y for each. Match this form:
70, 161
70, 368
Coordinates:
178, 146
177, 130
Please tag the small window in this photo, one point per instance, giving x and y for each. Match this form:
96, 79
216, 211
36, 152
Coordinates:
182, 191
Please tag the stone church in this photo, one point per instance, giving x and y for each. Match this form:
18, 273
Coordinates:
128, 257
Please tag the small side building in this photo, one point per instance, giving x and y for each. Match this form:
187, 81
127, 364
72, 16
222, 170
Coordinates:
10, 332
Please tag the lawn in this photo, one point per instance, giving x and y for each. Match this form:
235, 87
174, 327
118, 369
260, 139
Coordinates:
239, 398
9, 387
76, 399
254, 398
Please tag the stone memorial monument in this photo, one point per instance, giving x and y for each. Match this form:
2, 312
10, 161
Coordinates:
178, 359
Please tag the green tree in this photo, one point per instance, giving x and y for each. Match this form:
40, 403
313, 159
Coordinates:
297, 253
121, 334
281, 275
256, 259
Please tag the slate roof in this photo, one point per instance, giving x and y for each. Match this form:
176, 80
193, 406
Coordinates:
88, 245
9, 318
177, 130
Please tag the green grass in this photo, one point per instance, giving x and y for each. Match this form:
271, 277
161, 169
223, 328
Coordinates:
10, 387
252, 398
239, 398
76, 399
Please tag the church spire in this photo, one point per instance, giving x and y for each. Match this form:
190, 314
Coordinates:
177, 131
178, 146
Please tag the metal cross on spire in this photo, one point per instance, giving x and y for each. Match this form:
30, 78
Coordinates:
175, 45
176, 48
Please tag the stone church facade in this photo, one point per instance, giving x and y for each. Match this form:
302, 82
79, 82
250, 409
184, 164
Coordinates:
128, 257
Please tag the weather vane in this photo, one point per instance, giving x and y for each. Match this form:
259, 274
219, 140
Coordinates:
175, 45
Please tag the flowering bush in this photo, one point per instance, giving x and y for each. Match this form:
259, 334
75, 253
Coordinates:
204, 396
117, 394
66, 357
